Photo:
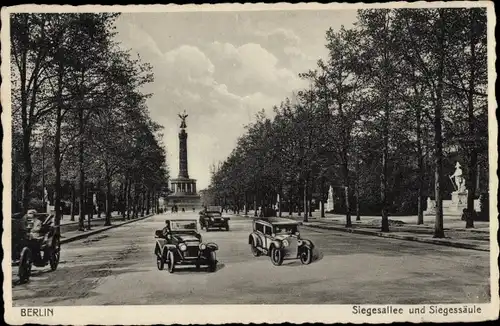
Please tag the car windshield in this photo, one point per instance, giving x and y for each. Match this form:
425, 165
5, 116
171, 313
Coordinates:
214, 209
285, 229
183, 225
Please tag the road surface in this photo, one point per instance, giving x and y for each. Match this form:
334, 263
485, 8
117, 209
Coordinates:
118, 268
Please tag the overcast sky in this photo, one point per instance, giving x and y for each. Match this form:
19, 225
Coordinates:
222, 68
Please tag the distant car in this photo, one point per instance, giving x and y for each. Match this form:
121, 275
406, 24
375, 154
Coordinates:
279, 238
212, 218
180, 243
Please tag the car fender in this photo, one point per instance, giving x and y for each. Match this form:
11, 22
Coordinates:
307, 244
256, 240
160, 243
168, 247
275, 243
212, 246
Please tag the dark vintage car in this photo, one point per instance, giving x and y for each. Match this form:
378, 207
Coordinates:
279, 238
180, 243
212, 217
35, 241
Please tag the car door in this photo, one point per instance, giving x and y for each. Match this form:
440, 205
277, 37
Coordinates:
259, 232
268, 231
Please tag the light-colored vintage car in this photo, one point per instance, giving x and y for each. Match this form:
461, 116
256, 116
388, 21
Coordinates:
279, 238
180, 243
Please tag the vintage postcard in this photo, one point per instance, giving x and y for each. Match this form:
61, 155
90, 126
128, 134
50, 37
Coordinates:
249, 163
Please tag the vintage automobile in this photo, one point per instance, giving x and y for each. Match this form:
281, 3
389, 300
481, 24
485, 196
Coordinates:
180, 243
212, 217
279, 238
35, 241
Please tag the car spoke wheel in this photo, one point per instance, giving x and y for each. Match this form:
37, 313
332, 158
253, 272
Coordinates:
277, 256
160, 262
55, 254
306, 256
171, 262
254, 250
212, 262
25, 264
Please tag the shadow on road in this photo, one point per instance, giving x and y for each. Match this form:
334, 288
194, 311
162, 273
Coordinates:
186, 270
317, 256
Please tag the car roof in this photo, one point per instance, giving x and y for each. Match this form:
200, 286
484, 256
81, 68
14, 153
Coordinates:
278, 221
181, 220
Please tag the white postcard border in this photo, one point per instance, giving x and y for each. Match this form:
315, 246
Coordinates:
219, 314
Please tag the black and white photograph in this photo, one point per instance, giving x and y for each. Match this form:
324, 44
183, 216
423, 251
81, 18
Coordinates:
249, 163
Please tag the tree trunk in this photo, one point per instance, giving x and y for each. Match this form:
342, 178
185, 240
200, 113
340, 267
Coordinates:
348, 222
25, 121
129, 198
90, 202
28, 169
383, 175
81, 153
438, 138
472, 168
136, 201
358, 215
356, 189
143, 202
122, 200
348, 208
73, 201
421, 171
57, 148
148, 202
108, 200
255, 205
279, 205
306, 210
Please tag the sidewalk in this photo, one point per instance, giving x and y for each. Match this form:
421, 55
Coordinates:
405, 228
97, 226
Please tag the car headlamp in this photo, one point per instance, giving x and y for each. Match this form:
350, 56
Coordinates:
299, 242
183, 247
203, 246
285, 243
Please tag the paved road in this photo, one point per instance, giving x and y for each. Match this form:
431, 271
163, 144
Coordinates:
118, 267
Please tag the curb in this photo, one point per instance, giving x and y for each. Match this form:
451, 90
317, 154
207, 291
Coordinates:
88, 234
400, 237
102, 219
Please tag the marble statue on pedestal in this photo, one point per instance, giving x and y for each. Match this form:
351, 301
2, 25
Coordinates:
459, 179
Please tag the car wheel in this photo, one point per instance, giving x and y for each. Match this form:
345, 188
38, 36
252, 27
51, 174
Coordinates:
277, 256
212, 262
253, 249
55, 254
160, 262
25, 264
306, 256
171, 262
207, 228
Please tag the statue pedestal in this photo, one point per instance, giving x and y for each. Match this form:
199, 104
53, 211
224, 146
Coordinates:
454, 207
458, 201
